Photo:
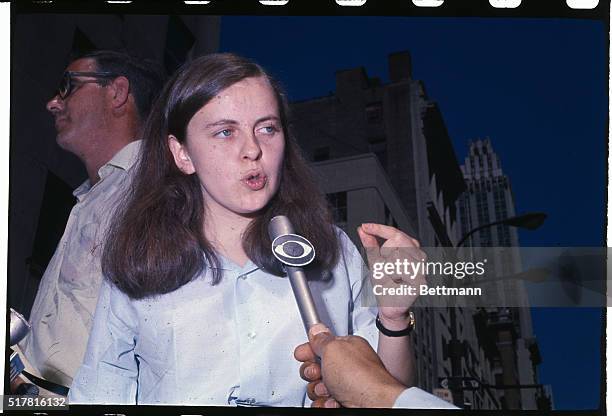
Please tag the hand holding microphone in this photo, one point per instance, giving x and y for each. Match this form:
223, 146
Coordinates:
350, 373
353, 373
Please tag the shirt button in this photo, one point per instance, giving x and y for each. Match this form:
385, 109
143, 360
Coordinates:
252, 335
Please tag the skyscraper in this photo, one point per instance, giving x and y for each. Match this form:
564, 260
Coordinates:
506, 332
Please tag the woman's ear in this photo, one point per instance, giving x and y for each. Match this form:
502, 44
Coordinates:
181, 156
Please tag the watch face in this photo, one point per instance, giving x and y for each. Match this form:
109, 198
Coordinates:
411, 320
293, 250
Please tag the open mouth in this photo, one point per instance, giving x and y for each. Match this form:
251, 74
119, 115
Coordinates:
255, 181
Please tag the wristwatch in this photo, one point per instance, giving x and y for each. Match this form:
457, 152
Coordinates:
403, 332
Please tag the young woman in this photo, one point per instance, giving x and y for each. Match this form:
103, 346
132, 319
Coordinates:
196, 310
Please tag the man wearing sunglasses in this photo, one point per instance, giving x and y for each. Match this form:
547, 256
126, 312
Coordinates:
102, 101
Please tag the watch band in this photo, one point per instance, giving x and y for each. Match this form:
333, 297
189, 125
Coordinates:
402, 333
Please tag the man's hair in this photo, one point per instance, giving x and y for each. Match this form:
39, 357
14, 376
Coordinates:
146, 76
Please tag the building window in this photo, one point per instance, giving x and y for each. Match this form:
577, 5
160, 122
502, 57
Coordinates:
378, 146
499, 200
321, 154
503, 235
464, 214
444, 346
482, 210
374, 114
376, 139
499, 379
337, 201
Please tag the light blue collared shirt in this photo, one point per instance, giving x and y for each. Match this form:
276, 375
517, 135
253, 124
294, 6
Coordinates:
415, 398
228, 344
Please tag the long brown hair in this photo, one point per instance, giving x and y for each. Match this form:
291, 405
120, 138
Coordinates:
156, 243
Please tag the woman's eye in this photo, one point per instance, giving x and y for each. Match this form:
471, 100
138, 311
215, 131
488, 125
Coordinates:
224, 133
268, 130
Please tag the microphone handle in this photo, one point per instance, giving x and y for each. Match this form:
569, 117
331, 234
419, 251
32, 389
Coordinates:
303, 297
280, 225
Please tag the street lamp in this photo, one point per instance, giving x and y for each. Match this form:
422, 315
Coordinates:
529, 221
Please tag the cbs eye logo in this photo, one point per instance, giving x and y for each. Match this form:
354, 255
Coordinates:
293, 250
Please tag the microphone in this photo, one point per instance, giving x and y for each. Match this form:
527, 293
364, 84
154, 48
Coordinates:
19, 327
294, 251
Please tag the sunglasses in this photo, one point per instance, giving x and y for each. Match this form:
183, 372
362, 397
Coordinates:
68, 84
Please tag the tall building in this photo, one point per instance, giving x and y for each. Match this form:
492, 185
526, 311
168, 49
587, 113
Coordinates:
383, 154
505, 332
42, 175
405, 130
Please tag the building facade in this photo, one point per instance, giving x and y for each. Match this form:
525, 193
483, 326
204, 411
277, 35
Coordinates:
402, 129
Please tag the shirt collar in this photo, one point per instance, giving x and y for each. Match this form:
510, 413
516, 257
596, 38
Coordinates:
228, 265
82, 189
124, 159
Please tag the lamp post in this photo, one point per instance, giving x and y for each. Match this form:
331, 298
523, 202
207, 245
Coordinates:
455, 348
529, 221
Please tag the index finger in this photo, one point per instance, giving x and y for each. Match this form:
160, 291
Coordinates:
380, 230
304, 353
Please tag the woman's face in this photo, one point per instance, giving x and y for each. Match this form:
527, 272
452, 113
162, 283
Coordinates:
235, 144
